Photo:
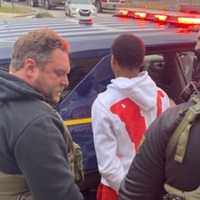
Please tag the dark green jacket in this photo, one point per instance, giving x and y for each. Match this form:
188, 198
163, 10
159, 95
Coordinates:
32, 142
151, 167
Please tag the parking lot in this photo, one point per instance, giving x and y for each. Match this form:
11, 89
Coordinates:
57, 12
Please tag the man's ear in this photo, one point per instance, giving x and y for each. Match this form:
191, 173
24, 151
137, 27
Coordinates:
30, 67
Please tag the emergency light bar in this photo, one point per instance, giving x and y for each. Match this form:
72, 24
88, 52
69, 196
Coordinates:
123, 13
177, 18
141, 15
188, 20
161, 18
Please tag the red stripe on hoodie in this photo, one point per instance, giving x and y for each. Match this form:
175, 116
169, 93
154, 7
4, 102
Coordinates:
129, 112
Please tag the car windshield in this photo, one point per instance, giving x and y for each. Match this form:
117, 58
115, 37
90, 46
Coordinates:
81, 1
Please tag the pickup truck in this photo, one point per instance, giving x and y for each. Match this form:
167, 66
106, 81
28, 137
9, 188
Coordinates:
169, 61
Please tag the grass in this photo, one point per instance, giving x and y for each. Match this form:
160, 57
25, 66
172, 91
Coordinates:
8, 8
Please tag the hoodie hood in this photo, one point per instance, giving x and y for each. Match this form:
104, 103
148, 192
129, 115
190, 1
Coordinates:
12, 87
141, 89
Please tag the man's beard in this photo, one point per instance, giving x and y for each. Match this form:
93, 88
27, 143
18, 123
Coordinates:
46, 93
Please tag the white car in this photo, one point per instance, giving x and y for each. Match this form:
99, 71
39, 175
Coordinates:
77, 8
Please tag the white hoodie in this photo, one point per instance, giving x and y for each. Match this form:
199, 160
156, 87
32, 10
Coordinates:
120, 115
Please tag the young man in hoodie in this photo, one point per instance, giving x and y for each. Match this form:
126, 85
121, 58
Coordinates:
167, 165
34, 142
122, 113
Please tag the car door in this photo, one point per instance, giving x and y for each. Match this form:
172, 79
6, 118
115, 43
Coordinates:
75, 108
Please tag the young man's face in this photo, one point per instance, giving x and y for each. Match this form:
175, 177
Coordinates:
52, 78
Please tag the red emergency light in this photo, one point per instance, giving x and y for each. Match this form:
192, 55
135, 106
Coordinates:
123, 12
188, 20
161, 18
141, 15
176, 18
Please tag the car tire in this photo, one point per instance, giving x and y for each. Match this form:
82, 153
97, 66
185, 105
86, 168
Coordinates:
98, 6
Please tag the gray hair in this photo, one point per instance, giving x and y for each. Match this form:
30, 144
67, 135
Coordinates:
38, 45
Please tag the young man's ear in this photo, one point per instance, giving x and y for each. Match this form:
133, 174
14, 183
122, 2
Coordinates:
114, 66
113, 60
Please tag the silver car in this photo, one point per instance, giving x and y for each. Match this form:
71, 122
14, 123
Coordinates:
76, 8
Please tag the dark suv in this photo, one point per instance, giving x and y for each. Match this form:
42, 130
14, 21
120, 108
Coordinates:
169, 58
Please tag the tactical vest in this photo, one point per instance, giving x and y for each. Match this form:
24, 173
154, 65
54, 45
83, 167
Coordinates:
14, 187
75, 158
179, 141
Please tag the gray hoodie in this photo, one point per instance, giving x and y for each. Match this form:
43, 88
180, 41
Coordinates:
32, 141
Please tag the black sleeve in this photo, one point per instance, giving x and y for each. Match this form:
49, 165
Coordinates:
41, 154
146, 175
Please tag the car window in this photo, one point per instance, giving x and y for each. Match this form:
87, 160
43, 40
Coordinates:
186, 62
171, 71
155, 65
4, 65
160, 68
80, 68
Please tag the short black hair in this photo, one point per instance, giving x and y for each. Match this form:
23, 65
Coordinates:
129, 51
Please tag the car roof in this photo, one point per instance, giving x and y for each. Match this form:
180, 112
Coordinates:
99, 35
